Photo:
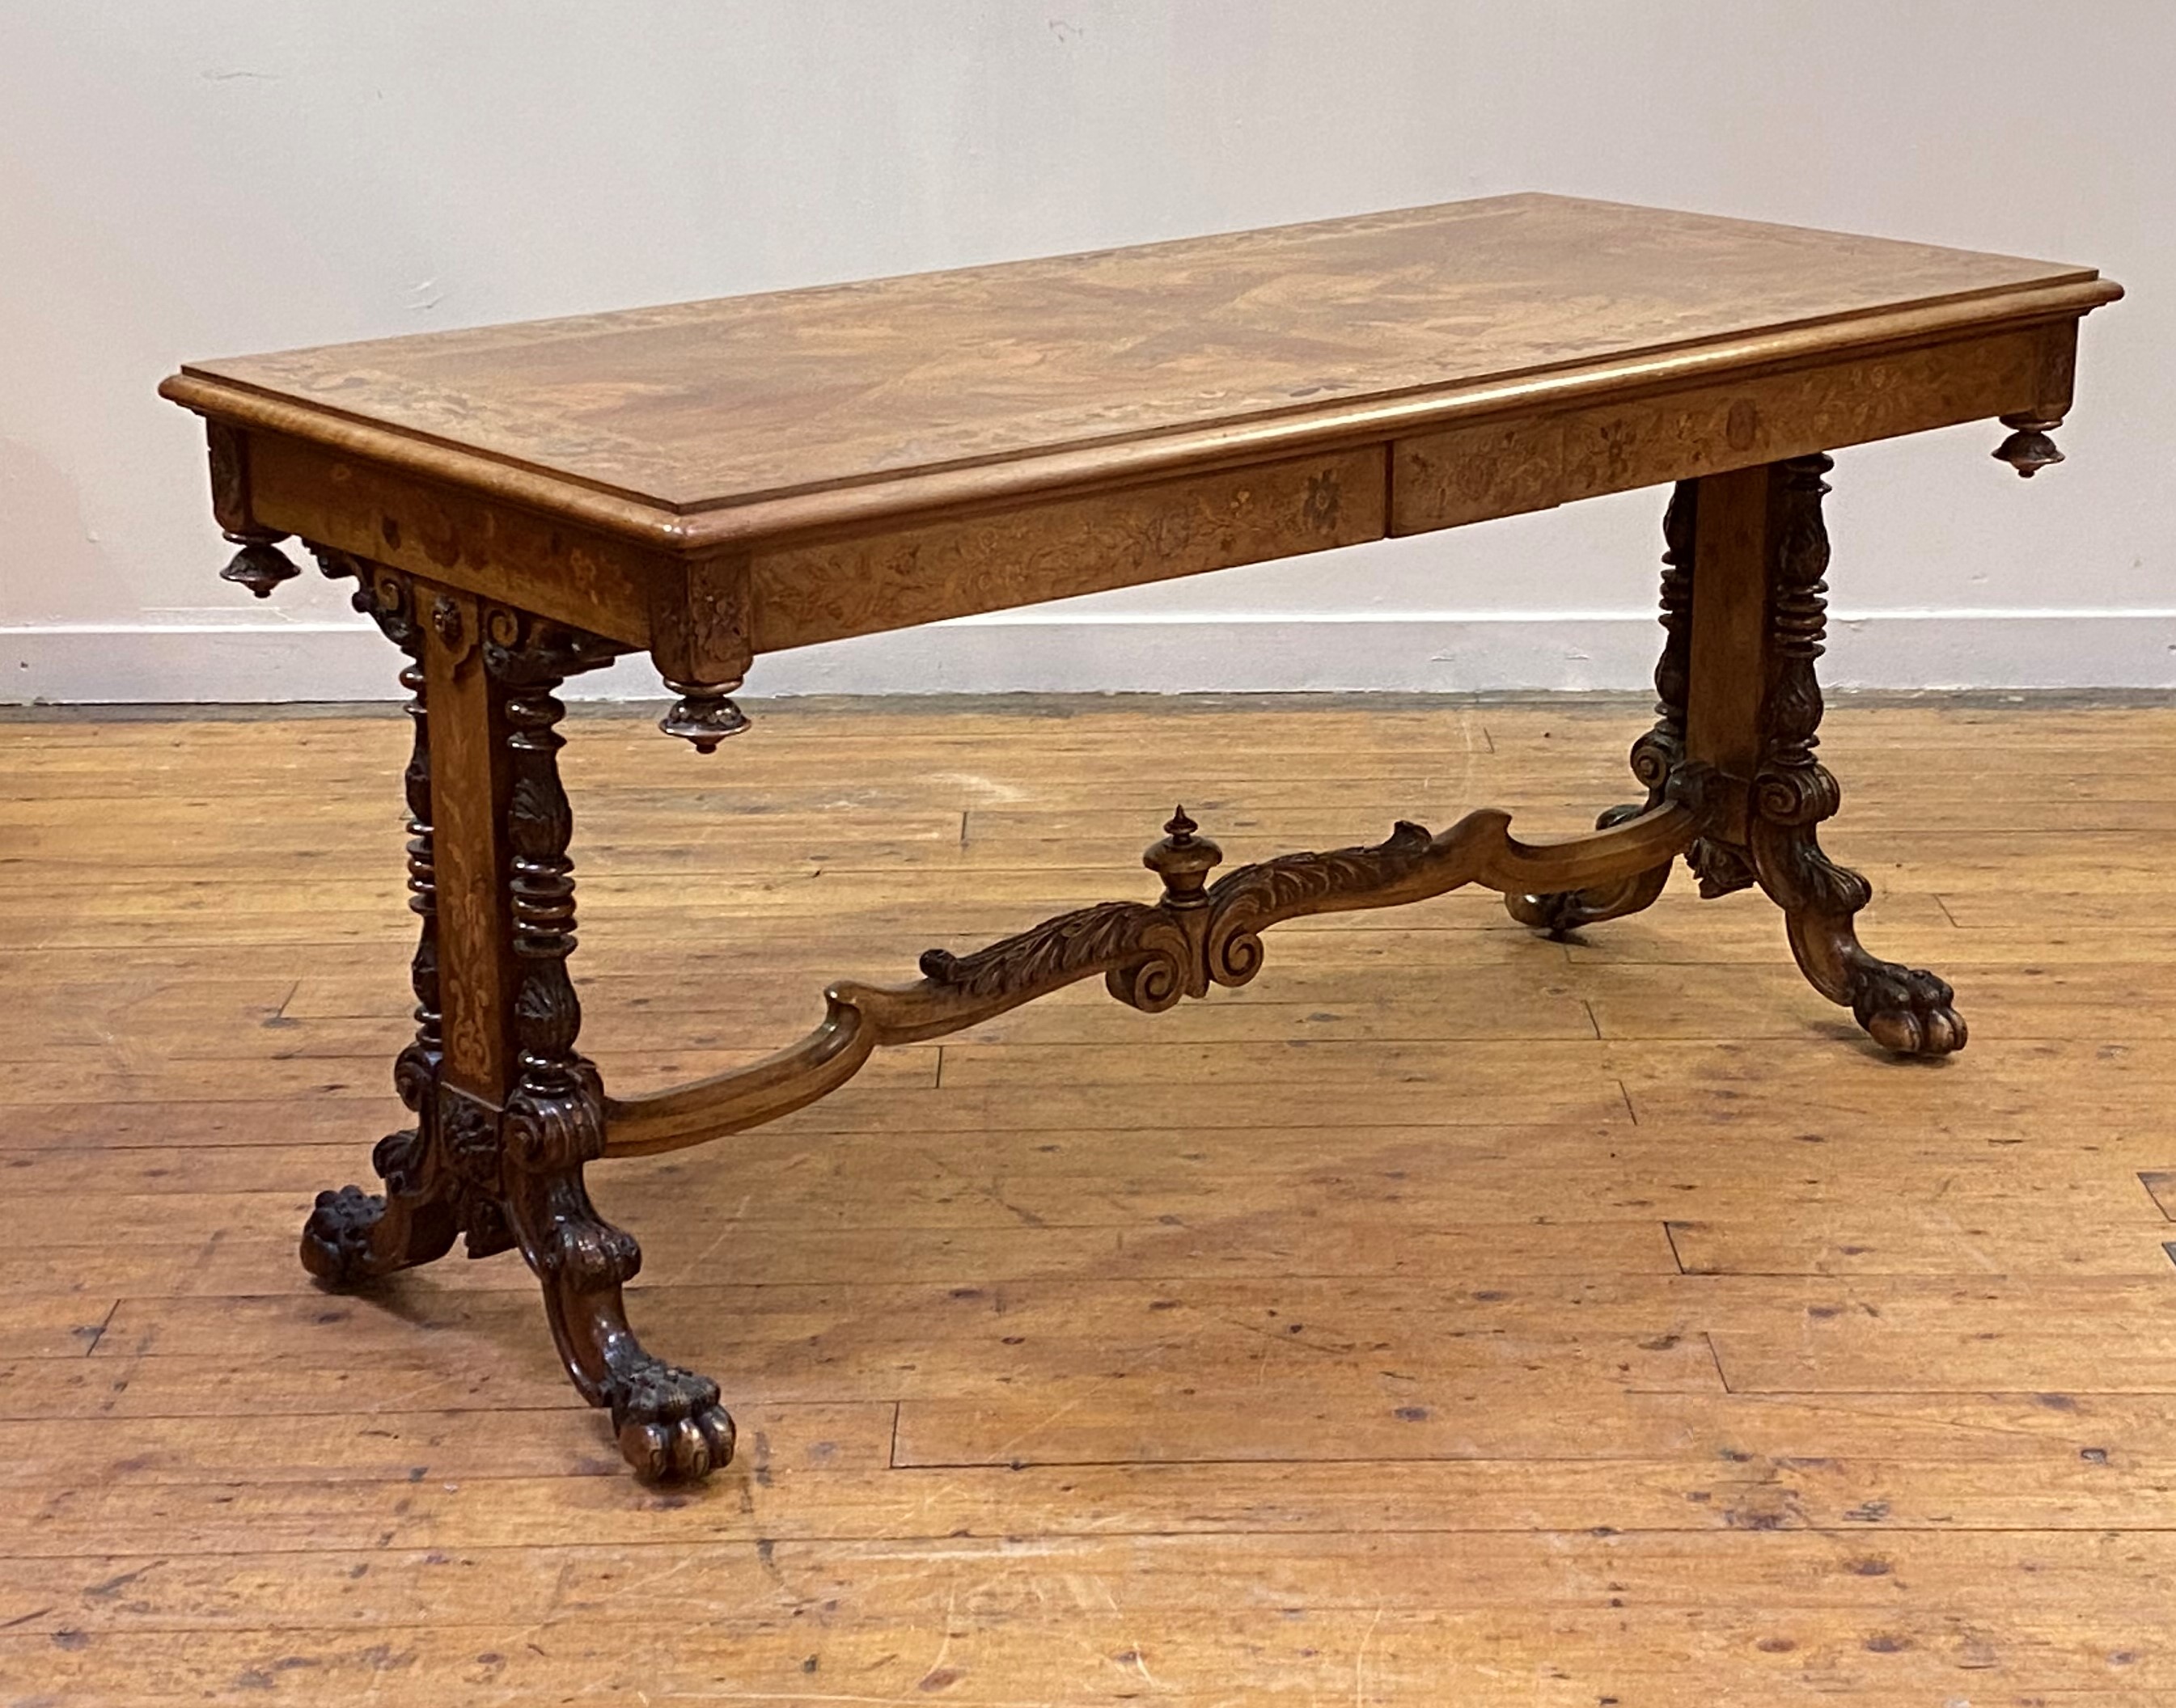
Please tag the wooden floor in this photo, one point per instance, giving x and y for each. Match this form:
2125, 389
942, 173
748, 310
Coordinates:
1451, 1318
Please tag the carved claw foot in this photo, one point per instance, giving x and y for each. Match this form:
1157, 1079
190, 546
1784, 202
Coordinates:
1564, 910
353, 1236
1906, 1010
671, 1427
337, 1246
1903, 1010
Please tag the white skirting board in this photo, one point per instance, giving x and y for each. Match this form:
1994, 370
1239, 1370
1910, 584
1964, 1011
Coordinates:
1422, 652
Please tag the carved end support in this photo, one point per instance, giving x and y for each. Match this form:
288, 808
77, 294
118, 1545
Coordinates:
2028, 449
704, 713
260, 565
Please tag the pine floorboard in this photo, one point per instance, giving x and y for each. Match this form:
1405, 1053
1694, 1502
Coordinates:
1451, 1316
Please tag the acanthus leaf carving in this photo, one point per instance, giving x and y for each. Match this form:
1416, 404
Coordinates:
1904, 1008
1246, 902
1073, 945
1150, 954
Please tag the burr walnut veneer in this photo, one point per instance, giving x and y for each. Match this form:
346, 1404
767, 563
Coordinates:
712, 480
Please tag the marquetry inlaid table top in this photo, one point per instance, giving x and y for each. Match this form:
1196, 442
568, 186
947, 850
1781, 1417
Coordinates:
1291, 335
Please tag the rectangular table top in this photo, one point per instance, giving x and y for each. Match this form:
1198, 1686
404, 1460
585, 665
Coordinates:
1291, 335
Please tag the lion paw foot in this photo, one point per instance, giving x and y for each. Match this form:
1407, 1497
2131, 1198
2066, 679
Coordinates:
1908, 1011
671, 1427
336, 1239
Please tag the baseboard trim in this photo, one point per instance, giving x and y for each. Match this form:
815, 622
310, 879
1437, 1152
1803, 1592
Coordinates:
1011, 653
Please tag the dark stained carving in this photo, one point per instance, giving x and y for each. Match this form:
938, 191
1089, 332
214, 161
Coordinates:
1659, 752
260, 565
512, 1175
1904, 1009
2028, 449
668, 1420
446, 620
1720, 866
352, 1235
705, 714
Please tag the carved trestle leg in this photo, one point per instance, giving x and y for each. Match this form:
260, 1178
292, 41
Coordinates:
508, 1113
669, 1424
1903, 1008
351, 1235
1738, 708
1753, 720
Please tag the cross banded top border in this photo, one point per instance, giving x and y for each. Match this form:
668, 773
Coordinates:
701, 424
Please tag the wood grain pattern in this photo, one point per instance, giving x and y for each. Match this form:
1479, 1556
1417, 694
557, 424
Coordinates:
557, 569
744, 420
468, 801
1114, 1349
1053, 550
1499, 468
701, 405
712, 480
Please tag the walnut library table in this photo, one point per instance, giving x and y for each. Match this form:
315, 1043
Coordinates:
713, 480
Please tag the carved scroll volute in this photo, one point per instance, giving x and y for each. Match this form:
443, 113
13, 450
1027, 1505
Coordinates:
1183, 861
1255, 897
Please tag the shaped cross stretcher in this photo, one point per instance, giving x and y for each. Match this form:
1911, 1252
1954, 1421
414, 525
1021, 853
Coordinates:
1195, 936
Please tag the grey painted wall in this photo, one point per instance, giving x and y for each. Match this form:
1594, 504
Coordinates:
210, 175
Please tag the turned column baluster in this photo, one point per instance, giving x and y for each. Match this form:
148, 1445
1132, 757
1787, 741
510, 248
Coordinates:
352, 1235
1904, 1009
668, 1420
